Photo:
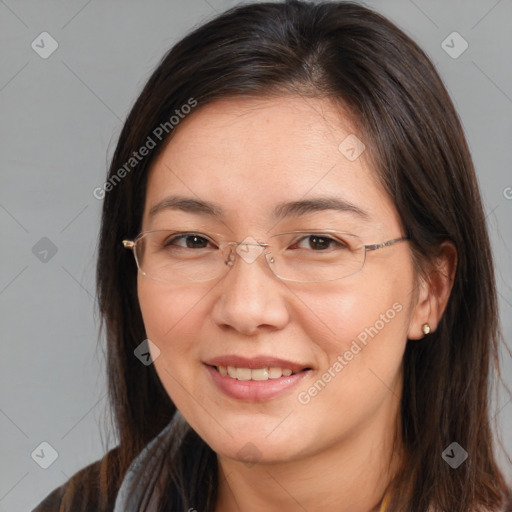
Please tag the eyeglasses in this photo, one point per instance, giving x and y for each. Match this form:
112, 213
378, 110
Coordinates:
303, 256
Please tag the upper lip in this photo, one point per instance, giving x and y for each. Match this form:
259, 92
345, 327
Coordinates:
255, 362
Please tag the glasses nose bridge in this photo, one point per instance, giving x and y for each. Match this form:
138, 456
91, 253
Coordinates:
248, 250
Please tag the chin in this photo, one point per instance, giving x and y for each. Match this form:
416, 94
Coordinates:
253, 446
253, 452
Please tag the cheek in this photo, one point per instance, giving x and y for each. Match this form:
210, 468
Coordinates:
171, 320
360, 334
164, 311
360, 313
172, 323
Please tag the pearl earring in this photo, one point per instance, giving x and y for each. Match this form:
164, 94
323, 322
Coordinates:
425, 328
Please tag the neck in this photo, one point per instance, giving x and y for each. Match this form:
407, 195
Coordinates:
350, 476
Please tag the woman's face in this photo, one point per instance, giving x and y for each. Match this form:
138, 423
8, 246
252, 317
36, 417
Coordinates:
345, 338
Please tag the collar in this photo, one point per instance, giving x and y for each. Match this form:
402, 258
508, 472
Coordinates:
143, 461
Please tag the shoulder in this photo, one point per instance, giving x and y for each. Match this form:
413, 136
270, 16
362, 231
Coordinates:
92, 488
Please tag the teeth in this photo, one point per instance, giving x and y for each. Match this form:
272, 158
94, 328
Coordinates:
254, 373
243, 373
275, 373
259, 374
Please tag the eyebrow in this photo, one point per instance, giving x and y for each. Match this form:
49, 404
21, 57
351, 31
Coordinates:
282, 210
186, 204
305, 206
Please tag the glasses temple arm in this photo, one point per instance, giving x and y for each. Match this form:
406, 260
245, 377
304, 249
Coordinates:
374, 247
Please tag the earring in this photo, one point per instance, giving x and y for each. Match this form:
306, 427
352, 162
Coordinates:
425, 328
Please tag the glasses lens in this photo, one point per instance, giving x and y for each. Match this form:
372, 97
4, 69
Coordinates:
316, 257
176, 256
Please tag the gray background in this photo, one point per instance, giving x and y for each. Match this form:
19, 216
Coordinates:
60, 119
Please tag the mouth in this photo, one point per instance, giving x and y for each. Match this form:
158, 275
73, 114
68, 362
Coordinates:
255, 379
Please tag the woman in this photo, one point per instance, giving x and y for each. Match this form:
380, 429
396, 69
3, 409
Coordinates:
310, 318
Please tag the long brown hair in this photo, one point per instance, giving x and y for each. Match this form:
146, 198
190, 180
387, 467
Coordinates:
356, 57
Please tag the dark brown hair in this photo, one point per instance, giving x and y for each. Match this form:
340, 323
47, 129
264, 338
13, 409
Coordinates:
359, 59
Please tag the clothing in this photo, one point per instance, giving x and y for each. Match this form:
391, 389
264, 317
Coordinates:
122, 504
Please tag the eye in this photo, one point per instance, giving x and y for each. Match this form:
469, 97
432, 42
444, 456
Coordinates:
319, 243
187, 241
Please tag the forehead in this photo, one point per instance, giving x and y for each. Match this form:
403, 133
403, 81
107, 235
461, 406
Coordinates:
280, 129
251, 153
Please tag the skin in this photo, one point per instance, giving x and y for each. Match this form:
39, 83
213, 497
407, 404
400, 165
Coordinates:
335, 452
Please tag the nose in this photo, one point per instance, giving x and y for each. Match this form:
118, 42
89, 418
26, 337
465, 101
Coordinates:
250, 298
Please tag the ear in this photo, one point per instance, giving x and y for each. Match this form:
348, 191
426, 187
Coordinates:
434, 292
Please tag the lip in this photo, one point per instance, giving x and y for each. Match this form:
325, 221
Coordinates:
255, 390
256, 362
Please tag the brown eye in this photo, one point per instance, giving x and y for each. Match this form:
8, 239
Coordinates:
320, 243
188, 241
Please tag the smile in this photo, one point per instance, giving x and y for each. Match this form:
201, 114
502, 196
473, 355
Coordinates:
255, 384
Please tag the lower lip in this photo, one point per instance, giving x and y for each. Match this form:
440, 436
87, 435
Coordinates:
255, 390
